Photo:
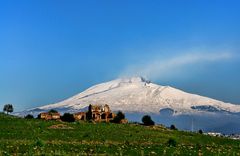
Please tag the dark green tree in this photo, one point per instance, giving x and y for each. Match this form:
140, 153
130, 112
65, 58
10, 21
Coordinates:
173, 127
29, 116
39, 116
89, 113
8, 108
52, 111
200, 131
147, 120
67, 117
118, 117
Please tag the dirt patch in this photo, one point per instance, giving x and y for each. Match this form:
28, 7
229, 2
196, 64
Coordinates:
60, 126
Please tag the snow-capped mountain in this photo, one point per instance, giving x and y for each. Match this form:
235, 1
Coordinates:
141, 96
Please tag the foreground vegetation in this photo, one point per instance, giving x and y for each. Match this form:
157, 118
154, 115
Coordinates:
35, 137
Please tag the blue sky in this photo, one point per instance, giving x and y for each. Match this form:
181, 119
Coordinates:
51, 50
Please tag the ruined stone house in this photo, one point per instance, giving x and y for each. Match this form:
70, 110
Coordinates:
102, 113
50, 116
99, 114
80, 116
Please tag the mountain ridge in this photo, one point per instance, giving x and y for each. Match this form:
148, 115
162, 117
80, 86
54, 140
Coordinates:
137, 94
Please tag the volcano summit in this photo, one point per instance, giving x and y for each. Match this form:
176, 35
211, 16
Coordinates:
137, 95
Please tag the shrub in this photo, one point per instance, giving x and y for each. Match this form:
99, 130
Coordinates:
52, 111
39, 143
29, 116
39, 116
200, 131
118, 117
147, 120
172, 142
67, 117
173, 127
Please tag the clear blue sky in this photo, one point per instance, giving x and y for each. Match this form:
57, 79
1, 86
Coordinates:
53, 49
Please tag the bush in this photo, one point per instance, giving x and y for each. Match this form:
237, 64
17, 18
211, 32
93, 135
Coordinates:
67, 117
52, 111
147, 120
29, 116
173, 127
39, 143
39, 116
172, 142
118, 117
200, 131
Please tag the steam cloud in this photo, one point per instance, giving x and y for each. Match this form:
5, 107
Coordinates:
159, 67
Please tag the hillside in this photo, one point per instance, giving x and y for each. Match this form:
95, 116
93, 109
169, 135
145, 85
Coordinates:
137, 95
22, 136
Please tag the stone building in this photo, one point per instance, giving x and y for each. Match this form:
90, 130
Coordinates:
50, 116
80, 116
99, 113
102, 113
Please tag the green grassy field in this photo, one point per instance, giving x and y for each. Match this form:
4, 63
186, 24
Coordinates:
36, 137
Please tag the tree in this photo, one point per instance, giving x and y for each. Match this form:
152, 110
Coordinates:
29, 116
200, 131
67, 117
52, 111
8, 108
89, 113
173, 127
39, 116
147, 120
118, 117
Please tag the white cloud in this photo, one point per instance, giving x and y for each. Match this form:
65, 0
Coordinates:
164, 67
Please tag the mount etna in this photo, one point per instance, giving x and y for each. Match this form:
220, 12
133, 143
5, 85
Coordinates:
136, 96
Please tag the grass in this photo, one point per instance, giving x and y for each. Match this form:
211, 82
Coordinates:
34, 137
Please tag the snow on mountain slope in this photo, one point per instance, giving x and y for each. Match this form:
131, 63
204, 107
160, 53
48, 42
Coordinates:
138, 95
